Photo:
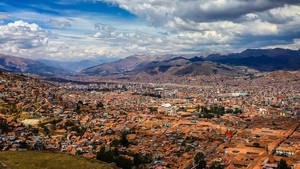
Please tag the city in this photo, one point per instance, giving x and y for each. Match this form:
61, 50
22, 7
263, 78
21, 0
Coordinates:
149, 84
255, 126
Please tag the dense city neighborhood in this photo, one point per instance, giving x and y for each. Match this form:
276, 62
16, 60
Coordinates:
233, 124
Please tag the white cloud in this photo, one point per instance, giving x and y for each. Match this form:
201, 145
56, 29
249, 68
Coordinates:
23, 35
29, 40
59, 24
222, 25
294, 46
157, 11
188, 26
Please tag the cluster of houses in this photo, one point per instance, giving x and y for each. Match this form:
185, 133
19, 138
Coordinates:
67, 117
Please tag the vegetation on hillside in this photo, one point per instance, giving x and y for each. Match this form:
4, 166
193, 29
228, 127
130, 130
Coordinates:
46, 160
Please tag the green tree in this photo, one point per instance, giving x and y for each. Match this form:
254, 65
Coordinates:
69, 123
100, 105
115, 142
153, 109
283, 165
216, 165
256, 145
198, 108
79, 106
124, 141
35, 131
199, 161
105, 156
138, 159
23, 144
4, 126
46, 130
123, 162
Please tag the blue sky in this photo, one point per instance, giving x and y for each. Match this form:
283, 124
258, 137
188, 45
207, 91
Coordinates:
97, 29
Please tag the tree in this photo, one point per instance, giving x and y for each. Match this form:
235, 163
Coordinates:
35, 131
23, 144
100, 105
123, 162
79, 105
45, 129
4, 126
124, 141
198, 108
114, 156
256, 145
115, 142
137, 159
69, 123
216, 165
105, 156
283, 165
199, 161
116, 152
153, 109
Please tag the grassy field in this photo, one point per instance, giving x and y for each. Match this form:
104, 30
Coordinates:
45, 160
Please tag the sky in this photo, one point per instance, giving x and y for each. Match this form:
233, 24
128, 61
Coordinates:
71, 30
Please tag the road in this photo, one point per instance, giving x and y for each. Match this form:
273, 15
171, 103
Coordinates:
289, 133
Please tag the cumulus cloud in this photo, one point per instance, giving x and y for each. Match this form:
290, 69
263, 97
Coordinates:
23, 35
174, 26
29, 40
219, 22
214, 15
198, 10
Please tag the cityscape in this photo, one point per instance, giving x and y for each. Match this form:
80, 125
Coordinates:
131, 96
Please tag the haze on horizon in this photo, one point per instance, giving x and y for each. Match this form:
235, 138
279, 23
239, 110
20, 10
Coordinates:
101, 29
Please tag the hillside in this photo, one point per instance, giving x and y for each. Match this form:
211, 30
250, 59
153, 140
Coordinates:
262, 59
181, 66
43, 160
162, 69
281, 75
22, 65
122, 66
201, 64
116, 67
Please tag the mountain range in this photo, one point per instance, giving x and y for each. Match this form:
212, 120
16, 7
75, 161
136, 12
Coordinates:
22, 65
234, 63
246, 62
261, 59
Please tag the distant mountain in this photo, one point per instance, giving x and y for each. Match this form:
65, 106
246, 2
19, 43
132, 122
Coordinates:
261, 59
132, 63
22, 65
122, 66
74, 66
181, 66
250, 60
173, 66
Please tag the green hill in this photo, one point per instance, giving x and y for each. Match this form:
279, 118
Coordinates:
45, 160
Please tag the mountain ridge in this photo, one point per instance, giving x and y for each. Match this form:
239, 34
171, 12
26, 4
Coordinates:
23, 65
262, 59
254, 59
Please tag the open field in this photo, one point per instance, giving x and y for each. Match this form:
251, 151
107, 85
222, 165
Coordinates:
45, 160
